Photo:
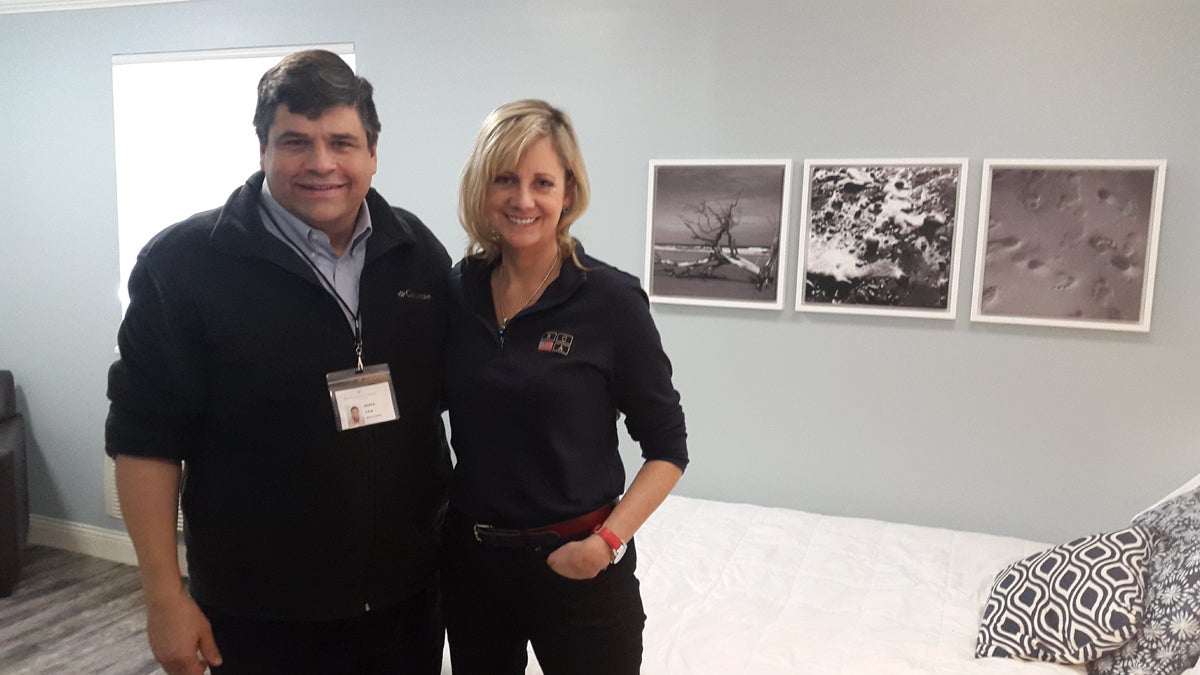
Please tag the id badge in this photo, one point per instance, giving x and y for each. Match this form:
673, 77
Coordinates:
364, 398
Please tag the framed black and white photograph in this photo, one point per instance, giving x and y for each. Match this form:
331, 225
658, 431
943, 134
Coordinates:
1068, 243
881, 236
717, 232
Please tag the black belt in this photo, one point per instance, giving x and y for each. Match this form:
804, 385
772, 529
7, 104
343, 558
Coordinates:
544, 536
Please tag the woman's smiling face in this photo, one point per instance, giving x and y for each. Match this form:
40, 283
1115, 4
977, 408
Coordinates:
524, 203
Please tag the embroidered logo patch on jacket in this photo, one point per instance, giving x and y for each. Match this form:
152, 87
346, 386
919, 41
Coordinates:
559, 343
409, 294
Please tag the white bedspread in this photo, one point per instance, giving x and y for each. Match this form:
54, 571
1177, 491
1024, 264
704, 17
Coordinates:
734, 588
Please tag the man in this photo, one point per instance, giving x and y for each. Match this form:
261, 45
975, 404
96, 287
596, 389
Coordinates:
311, 547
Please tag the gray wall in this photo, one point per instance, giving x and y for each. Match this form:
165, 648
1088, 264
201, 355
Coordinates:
1038, 432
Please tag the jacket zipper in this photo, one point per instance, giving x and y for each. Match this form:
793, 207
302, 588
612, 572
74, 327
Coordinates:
373, 528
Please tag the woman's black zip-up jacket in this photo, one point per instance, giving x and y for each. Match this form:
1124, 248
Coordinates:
533, 409
224, 352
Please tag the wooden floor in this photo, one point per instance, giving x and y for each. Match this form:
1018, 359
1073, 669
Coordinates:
74, 614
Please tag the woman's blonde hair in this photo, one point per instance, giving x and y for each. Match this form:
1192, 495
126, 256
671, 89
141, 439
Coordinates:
505, 135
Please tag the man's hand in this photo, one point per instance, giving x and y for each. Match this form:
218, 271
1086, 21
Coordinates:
180, 636
581, 559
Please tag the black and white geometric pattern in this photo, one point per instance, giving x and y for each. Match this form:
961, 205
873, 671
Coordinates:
1071, 603
1169, 642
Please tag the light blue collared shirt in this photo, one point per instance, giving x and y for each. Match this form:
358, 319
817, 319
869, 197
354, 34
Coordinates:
342, 272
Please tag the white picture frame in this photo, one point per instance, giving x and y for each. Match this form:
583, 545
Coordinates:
881, 236
1068, 242
717, 232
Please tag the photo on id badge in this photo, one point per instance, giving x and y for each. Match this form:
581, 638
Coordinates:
364, 398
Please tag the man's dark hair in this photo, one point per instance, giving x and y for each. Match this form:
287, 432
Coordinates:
309, 83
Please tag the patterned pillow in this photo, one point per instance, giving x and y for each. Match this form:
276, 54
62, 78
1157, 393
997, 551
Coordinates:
1170, 639
1071, 603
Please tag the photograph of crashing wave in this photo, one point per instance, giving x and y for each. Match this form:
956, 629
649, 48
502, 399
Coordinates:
1068, 243
717, 232
881, 236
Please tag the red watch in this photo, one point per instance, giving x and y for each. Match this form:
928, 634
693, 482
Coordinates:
614, 542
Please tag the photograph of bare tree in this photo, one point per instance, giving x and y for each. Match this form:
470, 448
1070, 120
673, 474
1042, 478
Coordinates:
881, 236
717, 232
1068, 243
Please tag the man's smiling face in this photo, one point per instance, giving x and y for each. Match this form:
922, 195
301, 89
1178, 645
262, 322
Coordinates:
320, 169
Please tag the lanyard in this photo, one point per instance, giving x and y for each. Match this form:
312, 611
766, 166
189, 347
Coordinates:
354, 316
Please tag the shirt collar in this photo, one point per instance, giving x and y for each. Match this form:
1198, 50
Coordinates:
297, 230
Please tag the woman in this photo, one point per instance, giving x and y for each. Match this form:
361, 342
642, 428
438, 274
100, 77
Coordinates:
548, 347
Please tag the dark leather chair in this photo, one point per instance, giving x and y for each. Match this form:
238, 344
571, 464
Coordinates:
14, 489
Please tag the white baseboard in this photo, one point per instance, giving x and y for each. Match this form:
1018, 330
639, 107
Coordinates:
97, 542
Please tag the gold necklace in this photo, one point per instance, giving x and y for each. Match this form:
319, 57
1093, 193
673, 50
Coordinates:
504, 318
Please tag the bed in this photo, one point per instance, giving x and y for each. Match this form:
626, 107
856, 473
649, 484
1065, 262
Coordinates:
736, 588
744, 589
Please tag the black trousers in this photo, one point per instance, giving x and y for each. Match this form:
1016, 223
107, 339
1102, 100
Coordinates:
499, 600
405, 638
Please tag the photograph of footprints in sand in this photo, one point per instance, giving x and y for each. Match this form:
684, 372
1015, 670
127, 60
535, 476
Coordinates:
1068, 244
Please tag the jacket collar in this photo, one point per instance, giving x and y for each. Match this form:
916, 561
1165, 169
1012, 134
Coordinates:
239, 229
476, 276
